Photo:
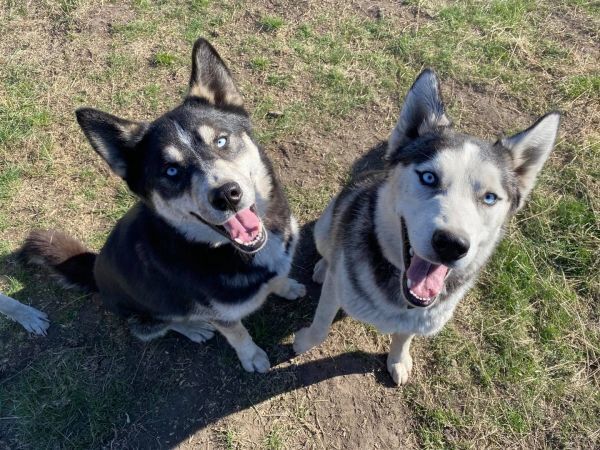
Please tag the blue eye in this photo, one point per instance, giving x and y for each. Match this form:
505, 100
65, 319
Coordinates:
172, 171
221, 142
490, 198
428, 178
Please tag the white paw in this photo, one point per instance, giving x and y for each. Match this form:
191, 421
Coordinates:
305, 340
198, 333
400, 371
292, 290
255, 361
320, 271
32, 320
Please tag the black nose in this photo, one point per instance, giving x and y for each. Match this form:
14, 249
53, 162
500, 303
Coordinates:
226, 197
450, 247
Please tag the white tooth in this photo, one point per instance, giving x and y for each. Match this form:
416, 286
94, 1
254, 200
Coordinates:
425, 299
411, 252
239, 241
409, 282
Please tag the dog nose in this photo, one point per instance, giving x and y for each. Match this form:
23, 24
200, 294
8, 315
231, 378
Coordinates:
226, 197
450, 247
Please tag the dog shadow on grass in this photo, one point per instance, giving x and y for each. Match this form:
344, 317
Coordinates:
152, 395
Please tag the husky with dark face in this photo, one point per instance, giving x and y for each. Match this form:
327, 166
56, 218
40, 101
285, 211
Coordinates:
401, 247
212, 234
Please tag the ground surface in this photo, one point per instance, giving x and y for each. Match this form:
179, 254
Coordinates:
518, 367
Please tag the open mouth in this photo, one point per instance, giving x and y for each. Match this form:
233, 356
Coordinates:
244, 230
423, 281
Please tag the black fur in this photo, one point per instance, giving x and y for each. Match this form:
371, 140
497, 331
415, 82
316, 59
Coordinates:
66, 257
424, 106
148, 270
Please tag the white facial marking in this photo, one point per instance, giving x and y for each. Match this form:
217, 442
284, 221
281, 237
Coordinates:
177, 211
207, 133
173, 154
258, 172
455, 204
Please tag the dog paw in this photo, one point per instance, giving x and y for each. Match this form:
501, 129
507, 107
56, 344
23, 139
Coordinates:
292, 290
305, 340
198, 332
256, 361
33, 320
400, 371
320, 271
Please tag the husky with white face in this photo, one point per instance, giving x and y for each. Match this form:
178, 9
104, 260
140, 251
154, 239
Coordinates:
212, 234
401, 247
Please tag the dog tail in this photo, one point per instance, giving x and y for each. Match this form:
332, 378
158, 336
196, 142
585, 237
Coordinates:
68, 259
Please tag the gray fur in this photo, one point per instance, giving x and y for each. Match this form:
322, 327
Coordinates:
365, 231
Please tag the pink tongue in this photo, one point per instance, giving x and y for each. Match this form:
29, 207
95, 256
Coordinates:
427, 279
245, 225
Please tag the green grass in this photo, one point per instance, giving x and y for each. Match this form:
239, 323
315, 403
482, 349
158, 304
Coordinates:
10, 180
164, 59
580, 85
20, 110
122, 201
275, 440
137, 29
271, 23
57, 399
259, 63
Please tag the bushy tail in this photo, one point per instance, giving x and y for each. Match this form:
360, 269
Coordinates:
67, 258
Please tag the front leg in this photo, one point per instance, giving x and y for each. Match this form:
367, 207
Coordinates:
328, 306
252, 357
30, 318
288, 288
399, 361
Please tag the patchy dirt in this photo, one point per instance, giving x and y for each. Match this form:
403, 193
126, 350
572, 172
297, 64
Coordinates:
303, 161
335, 396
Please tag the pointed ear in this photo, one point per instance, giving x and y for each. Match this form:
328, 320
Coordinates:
210, 78
529, 150
113, 138
422, 112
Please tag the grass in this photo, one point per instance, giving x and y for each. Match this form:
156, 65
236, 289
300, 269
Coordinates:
164, 59
275, 440
582, 85
518, 365
271, 23
77, 411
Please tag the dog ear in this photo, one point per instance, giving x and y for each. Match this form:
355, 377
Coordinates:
528, 151
211, 79
422, 112
113, 138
